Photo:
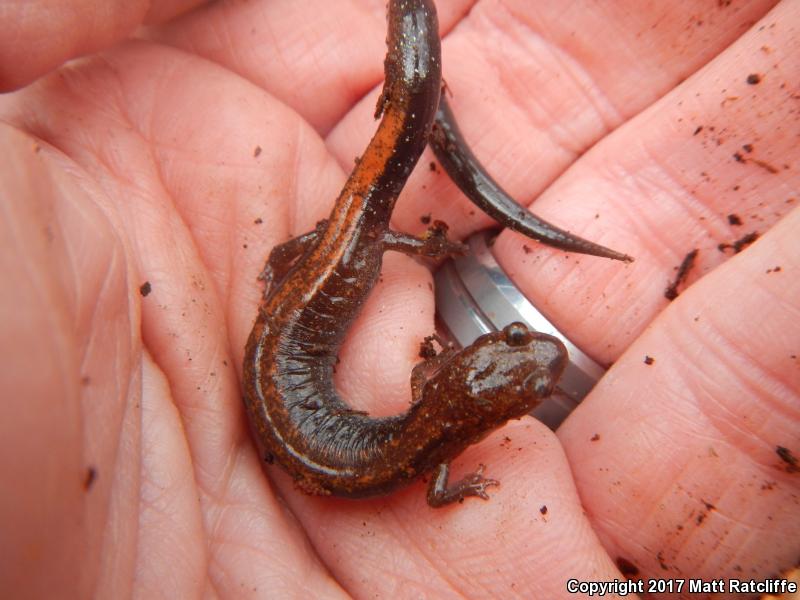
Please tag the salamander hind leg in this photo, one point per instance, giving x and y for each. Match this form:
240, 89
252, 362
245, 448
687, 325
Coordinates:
433, 244
284, 256
474, 484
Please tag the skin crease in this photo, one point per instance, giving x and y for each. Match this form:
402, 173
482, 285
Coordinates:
143, 174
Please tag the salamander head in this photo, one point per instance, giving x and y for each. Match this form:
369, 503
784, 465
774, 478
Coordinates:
507, 373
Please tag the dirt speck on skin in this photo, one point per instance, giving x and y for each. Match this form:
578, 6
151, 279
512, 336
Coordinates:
683, 272
789, 458
765, 165
741, 158
740, 244
626, 567
753, 79
90, 478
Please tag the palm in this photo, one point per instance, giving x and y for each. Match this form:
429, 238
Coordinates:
160, 166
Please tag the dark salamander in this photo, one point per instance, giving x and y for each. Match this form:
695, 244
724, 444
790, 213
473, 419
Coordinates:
317, 283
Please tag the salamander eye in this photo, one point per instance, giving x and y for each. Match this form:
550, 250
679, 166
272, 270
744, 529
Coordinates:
517, 334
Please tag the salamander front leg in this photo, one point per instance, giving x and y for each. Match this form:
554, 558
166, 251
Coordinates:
433, 244
431, 363
284, 256
474, 484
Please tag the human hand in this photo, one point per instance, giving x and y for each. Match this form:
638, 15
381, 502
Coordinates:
149, 163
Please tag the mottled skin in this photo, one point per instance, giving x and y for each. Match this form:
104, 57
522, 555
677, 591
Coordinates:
317, 283
466, 171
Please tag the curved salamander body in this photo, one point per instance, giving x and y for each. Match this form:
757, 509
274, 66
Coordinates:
317, 283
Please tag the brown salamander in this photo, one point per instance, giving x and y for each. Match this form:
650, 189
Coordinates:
317, 283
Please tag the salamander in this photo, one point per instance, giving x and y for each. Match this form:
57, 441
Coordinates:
316, 284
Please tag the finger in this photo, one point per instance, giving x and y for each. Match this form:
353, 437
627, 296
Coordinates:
37, 36
679, 462
317, 57
174, 564
666, 183
69, 377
